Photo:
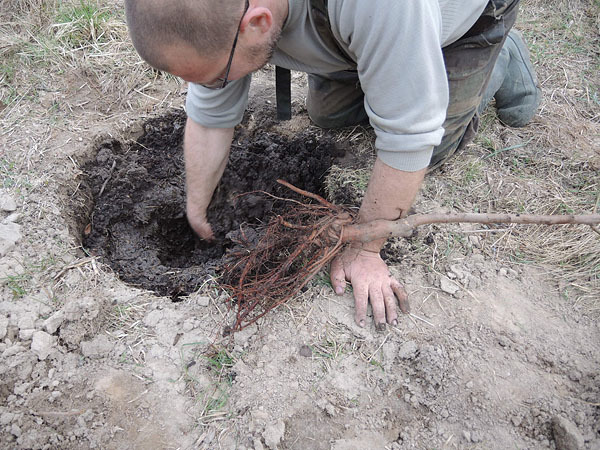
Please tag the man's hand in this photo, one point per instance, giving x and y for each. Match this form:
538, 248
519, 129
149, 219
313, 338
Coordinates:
389, 196
371, 281
198, 222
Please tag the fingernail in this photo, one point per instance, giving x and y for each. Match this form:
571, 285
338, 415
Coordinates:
395, 322
361, 324
339, 290
380, 326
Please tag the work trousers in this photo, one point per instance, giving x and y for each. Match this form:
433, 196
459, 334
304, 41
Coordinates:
337, 100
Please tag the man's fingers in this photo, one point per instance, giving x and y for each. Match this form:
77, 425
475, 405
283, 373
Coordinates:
202, 228
378, 305
361, 298
390, 306
338, 276
208, 233
402, 297
205, 232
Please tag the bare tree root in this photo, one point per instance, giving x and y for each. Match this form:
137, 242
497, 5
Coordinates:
296, 245
293, 248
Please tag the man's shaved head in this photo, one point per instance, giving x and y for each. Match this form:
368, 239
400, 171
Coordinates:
208, 26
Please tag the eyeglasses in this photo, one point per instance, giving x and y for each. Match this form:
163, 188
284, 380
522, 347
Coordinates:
221, 82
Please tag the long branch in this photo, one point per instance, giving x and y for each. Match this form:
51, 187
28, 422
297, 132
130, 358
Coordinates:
378, 229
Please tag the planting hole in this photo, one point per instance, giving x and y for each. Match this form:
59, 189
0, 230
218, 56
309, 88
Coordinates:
138, 224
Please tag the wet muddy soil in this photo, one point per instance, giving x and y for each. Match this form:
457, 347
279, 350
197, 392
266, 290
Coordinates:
138, 224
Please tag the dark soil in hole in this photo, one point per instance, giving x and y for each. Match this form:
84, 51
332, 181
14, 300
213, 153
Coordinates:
138, 224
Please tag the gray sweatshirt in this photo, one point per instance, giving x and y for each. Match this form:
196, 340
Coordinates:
396, 45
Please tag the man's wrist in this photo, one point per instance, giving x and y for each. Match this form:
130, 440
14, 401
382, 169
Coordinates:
372, 246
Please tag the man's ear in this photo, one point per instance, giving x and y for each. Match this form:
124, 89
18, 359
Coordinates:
258, 19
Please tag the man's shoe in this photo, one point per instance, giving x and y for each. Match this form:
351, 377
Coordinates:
519, 95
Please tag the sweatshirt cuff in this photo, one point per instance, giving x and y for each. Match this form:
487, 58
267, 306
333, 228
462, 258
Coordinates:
406, 161
218, 108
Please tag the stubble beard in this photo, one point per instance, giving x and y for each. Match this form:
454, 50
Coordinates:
261, 54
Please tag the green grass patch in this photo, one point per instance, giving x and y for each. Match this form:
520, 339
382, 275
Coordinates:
472, 172
11, 178
17, 284
322, 279
82, 23
42, 53
330, 348
219, 361
85, 11
20, 284
7, 73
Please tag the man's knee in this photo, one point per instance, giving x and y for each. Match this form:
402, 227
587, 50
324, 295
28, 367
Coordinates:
335, 119
459, 133
321, 118
335, 100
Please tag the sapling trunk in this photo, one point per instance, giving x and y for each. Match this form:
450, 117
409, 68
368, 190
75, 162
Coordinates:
379, 229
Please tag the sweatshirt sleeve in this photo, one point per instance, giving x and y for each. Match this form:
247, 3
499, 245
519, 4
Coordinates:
397, 47
218, 108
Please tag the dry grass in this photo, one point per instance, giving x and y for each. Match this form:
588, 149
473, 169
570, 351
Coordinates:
552, 165
54, 54
353, 183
